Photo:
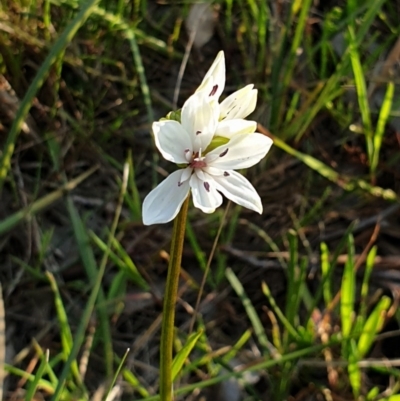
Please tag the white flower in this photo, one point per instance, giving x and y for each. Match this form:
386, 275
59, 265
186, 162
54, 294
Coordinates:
207, 173
239, 104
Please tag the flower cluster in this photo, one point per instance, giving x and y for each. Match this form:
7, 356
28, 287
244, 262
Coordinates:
209, 143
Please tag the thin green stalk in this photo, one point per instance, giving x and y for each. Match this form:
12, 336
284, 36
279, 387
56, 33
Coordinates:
171, 289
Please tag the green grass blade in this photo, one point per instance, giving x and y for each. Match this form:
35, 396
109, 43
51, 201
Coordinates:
237, 346
296, 41
344, 182
292, 276
383, 118
251, 312
49, 366
354, 371
348, 289
278, 312
94, 275
184, 353
369, 265
269, 241
116, 374
326, 270
133, 193
196, 247
373, 326
65, 330
22, 112
134, 382
395, 397
121, 259
130, 34
33, 385
362, 93
372, 9
42, 203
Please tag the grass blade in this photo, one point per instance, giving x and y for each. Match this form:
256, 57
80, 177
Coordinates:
384, 115
116, 374
373, 325
122, 259
65, 330
344, 182
348, 290
362, 93
33, 385
42, 203
183, 354
58, 47
284, 321
326, 270
251, 312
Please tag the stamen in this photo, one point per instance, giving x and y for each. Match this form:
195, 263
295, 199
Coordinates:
224, 152
213, 90
226, 174
198, 132
206, 186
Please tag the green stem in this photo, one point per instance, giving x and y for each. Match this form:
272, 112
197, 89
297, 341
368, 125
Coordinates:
171, 289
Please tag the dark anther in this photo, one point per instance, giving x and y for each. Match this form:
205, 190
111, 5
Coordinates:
207, 186
224, 152
226, 174
213, 90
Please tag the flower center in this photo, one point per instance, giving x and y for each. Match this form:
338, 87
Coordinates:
197, 161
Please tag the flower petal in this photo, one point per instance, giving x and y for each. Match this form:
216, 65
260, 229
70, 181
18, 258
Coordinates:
242, 151
240, 104
205, 195
229, 128
172, 141
163, 203
200, 118
213, 82
239, 190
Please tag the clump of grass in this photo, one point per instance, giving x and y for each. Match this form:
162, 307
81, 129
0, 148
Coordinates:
83, 81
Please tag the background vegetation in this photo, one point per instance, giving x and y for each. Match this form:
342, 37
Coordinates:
299, 303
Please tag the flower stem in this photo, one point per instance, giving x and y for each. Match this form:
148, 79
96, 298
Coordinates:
171, 289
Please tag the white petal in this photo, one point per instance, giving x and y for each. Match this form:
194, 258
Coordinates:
239, 190
240, 104
163, 203
186, 173
213, 170
229, 128
172, 141
200, 118
242, 151
205, 195
213, 82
